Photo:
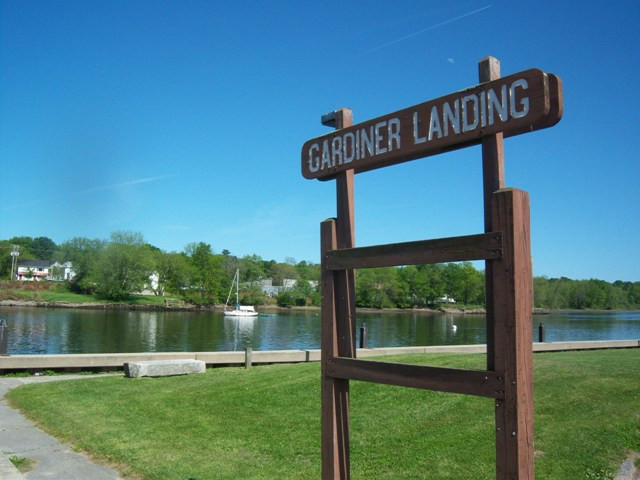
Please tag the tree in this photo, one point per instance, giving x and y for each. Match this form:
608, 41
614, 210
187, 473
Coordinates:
308, 271
25, 244
208, 279
376, 287
252, 295
431, 284
43, 248
83, 253
285, 299
5, 259
473, 285
302, 293
124, 267
172, 270
252, 268
280, 271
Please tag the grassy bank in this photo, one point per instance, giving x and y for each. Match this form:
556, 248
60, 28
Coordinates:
264, 423
47, 292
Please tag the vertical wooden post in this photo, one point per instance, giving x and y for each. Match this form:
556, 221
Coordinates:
335, 426
345, 236
512, 297
493, 180
248, 357
338, 325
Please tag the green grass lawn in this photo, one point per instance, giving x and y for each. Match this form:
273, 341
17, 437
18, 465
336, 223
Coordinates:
264, 423
59, 293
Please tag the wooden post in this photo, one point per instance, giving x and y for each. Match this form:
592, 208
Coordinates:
345, 237
248, 357
338, 324
335, 406
493, 180
512, 297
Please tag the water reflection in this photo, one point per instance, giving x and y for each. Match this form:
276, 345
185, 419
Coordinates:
41, 331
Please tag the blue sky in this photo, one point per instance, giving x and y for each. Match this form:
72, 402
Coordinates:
184, 120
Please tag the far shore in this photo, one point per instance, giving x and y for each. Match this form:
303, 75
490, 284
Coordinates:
180, 306
266, 309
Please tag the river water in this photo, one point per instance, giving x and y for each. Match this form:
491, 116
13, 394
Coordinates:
53, 331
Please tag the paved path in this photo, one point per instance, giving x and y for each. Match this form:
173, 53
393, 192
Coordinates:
53, 460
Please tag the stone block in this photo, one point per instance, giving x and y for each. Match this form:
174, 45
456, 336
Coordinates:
163, 368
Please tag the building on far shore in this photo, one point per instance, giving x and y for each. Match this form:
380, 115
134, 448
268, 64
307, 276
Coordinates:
38, 270
445, 299
271, 290
32, 270
61, 272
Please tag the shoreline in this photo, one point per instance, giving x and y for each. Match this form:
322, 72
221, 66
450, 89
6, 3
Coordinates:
193, 307
168, 307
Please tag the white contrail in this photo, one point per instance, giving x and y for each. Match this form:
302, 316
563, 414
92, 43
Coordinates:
397, 40
101, 188
123, 184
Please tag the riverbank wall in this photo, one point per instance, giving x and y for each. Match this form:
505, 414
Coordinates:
115, 361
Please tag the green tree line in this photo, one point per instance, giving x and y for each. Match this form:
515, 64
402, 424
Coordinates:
122, 265
117, 268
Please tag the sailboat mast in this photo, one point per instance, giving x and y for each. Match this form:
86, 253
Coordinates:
237, 287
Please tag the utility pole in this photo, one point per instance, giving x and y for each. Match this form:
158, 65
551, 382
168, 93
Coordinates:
15, 252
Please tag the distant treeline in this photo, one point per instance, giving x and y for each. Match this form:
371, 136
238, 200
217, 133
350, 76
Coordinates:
122, 265
428, 285
564, 293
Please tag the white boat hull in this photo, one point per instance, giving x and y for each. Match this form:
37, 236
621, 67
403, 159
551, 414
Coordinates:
240, 313
240, 310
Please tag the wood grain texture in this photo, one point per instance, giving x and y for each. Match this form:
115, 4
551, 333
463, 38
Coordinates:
335, 392
513, 355
492, 180
470, 382
454, 249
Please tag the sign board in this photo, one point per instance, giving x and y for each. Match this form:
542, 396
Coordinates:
520, 103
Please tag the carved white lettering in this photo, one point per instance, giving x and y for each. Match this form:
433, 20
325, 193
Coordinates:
416, 137
314, 159
524, 102
379, 138
394, 133
349, 147
434, 124
468, 113
326, 156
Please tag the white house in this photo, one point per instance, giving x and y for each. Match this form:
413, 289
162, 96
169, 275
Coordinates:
445, 299
33, 270
270, 290
37, 270
60, 272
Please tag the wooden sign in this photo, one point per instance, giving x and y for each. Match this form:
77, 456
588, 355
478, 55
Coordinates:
486, 113
520, 103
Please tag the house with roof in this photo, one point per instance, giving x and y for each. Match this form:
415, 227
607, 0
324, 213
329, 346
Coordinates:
61, 272
38, 270
271, 290
33, 270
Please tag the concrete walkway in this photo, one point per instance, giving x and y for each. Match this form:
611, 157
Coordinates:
52, 460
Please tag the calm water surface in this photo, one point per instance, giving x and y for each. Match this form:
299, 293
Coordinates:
48, 331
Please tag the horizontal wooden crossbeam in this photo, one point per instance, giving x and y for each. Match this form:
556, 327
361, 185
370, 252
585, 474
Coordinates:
469, 382
484, 246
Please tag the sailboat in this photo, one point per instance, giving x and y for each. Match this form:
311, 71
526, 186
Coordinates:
240, 310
